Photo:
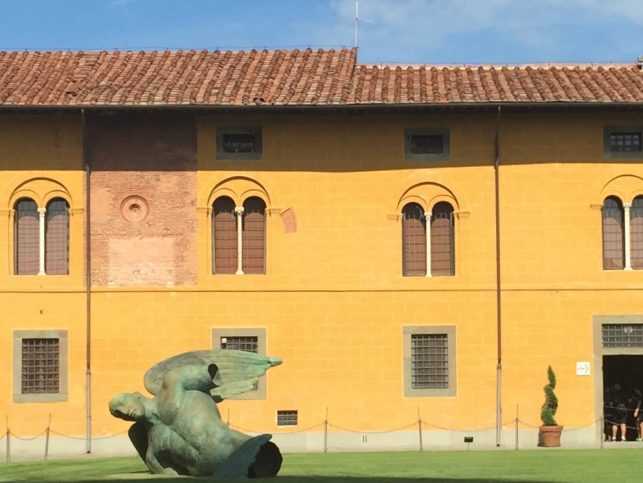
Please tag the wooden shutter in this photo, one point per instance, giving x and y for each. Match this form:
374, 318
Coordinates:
27, 238
254, 236
613, 237
413, 240
636, 233
57, 238
442, 243
224, 226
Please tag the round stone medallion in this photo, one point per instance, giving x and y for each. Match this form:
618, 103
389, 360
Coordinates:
134, 208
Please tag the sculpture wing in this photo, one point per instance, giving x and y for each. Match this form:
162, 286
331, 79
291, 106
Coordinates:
235, 372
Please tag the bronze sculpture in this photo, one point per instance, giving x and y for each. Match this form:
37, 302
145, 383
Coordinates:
180, 431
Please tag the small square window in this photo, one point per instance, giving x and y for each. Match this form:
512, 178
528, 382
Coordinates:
287, 417
427, 144
249, 340
429, 361
241, 143
623, 142
40, 365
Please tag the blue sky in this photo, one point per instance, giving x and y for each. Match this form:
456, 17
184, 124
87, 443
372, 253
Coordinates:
391, 31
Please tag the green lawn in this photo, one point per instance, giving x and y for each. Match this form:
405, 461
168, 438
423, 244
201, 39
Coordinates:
622, 465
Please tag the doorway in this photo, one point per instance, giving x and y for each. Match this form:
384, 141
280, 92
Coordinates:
622, 390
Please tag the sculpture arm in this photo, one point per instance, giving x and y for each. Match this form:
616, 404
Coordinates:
155, 467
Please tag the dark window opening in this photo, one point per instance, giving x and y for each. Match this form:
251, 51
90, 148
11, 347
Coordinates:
442, 240
239, 143
224, 236
413, 240
613, 234
287, 418
40, 366
26, 238
429, 361
624, 142
240, 343
426, 144
636, 233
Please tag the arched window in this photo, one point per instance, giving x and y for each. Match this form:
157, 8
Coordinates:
413, 240
254, 236
26, 238
224, 236
636, 233
613, 234
442, 240
57, 237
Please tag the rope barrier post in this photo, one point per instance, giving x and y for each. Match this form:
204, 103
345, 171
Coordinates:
8, 446
517, 414
602, 438
326, 432
420, 430
47, 431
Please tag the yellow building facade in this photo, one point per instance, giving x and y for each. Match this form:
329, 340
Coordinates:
333, 301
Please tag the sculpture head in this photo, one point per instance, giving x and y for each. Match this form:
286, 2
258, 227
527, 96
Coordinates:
129, 406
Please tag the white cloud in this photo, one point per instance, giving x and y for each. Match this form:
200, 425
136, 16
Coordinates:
432, 24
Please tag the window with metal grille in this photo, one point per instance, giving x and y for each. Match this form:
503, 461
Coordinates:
57, 238
254, 236
224, 236
429, 361
427, 144
287, 417
240, 343
442, 240
239, 143
622, 335
413, 240
40, 366
26, 237
624, 141
636, 233
613, 234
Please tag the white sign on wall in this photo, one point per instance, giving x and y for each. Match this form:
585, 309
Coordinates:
583, 368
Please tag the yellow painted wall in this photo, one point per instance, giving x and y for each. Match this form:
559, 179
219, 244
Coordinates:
333, 301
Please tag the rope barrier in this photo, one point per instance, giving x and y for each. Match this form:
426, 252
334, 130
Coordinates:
29, 438
413, 424
240, 428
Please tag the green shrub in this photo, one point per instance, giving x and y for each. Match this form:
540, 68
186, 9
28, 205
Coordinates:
551, 401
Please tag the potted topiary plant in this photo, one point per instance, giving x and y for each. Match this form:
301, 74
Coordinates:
549, 432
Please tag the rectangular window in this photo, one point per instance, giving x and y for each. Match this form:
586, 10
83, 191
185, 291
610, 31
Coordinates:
622, 335
239, 143
427, 144
40, 365
623, 142
249, 340
240, 343
429, 361
287, 417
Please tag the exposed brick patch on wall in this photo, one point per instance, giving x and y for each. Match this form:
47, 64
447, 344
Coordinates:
151, 156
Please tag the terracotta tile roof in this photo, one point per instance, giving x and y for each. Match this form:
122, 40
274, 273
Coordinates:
293, 78
427, 84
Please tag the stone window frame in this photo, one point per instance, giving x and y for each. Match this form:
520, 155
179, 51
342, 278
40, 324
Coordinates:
260, 333
62, 394
256, 155
607, 154
443, 156
450, 331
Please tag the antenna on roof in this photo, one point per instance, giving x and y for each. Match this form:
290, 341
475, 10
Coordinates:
356, 25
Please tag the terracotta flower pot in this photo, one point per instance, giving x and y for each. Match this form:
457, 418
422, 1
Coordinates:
549, 436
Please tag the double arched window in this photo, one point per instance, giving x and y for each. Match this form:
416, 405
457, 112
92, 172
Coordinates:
622, 234
239, 236
428, 240
41, 237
